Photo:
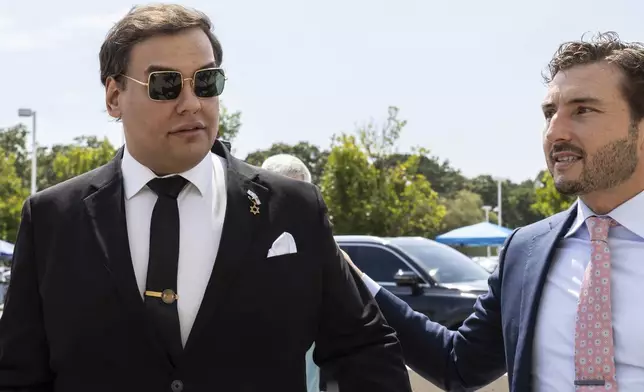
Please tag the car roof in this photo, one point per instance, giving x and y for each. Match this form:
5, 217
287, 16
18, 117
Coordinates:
393, 241
385, 240
361, 238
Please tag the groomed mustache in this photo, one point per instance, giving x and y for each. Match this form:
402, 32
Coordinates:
566, 147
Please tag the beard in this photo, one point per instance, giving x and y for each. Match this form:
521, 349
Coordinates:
611, 165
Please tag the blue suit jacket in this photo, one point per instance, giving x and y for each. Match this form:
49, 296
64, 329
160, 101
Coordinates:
498, 336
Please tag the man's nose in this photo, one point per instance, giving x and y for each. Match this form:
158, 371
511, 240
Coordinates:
558, 129
188, 101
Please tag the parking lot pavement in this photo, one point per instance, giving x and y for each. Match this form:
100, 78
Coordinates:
419, 384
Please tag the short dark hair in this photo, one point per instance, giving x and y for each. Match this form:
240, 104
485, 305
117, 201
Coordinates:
627, 56
143, 22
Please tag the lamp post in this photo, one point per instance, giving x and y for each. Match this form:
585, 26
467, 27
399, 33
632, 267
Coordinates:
499, 202
487, 210
34, 147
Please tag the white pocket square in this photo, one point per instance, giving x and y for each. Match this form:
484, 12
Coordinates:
283, 245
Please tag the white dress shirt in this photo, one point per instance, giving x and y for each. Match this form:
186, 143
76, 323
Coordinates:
554, 368
554, 342
202, 206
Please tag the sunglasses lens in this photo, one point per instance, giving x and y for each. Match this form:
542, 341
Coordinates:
209, 83
165, 85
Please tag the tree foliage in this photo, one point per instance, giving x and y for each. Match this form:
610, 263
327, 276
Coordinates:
548, 201
12, 196
464, 209
312, 156
392, 200
229, 124
444, 179
87, 153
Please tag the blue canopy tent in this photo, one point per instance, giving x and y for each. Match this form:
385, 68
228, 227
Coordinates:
6, 249
480, 234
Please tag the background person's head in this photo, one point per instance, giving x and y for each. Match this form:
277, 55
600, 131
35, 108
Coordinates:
594, 109
289, 166
168, 128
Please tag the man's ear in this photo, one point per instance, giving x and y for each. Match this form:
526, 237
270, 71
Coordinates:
112, 95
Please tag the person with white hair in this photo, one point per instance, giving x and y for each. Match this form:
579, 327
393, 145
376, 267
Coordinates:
293, 167
289, 166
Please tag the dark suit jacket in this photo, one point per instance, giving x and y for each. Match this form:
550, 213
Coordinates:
498, 336
74, 318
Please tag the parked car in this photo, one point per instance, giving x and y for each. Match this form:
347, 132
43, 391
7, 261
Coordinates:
5, 277
488, 263
432, 278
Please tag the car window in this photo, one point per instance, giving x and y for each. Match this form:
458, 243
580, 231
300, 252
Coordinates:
444, 264
378, 263
3, 291
351, 251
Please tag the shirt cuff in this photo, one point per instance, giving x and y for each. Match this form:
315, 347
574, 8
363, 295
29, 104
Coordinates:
372, 286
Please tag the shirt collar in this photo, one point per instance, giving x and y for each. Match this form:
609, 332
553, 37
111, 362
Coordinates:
136, 176
627, 215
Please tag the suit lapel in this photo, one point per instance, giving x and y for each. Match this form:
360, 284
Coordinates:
106, 208
238, 239
540, 258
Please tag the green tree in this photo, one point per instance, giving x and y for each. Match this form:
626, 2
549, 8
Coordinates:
229, 124
517, 199
445, 179
517, 204
486, 187
548, 200
464, 209
314, 158
13, 141
349, 187
12, 195
87, 153
391, 200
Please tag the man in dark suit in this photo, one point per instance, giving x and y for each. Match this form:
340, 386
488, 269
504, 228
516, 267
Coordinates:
561, 314
176, 269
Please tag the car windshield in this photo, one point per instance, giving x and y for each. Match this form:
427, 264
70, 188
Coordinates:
444, 264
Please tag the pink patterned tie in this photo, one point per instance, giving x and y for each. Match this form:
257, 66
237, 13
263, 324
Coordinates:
594, 352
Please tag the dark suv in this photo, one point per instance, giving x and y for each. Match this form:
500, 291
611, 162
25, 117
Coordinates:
432, 278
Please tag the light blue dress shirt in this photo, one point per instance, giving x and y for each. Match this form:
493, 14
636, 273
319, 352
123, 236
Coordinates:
312, 372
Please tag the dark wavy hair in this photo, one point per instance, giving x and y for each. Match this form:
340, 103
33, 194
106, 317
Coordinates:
147, 21
627, 56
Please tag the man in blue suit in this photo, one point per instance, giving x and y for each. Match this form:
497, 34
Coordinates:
563, 310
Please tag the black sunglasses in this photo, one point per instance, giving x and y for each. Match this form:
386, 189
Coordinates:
167, 85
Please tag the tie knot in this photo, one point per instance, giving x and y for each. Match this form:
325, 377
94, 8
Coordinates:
168, 186
598, 227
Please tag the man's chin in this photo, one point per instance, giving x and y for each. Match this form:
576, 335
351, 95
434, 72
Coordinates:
568, 187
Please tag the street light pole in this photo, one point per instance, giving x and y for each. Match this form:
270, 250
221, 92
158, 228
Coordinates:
34, 146
34, 156
487, 210
499, 202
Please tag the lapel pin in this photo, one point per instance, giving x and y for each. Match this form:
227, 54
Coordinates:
254, 197
254, 200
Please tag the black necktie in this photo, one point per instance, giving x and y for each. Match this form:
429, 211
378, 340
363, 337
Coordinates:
161, 286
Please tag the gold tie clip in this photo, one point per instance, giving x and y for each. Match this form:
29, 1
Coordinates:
167, 296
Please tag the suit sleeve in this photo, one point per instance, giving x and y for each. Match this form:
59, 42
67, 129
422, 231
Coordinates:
354, 345
467, 359
24, 356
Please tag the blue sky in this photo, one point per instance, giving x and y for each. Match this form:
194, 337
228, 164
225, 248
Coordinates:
466, 75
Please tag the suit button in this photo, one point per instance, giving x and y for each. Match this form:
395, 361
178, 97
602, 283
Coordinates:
177, 386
